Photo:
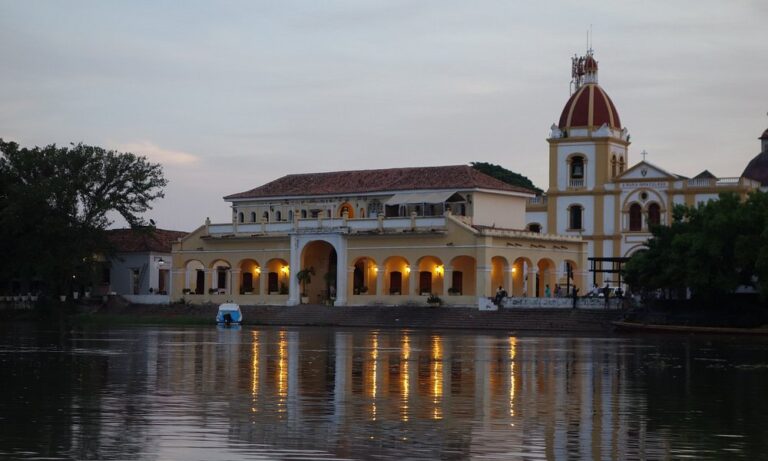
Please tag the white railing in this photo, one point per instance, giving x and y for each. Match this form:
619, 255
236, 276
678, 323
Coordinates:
576, 183
722, 182
538, 200
311, 225
560, 303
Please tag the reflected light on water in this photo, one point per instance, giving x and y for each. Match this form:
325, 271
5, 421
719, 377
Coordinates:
282, 371
512, 351
405, 346
254, 369
437, 376
373, 370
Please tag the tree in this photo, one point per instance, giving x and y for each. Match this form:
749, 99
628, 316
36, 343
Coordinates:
55, 204
712, 249
304, 277
505, 175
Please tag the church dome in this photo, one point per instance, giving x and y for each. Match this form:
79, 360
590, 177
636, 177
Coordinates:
757, 169
589, 107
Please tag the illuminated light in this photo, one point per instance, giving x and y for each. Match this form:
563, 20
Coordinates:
257, 270
514, 269
439, 270
375, 268
285, 269
282, 371
437, 376
512, 353
404, 378
407, 270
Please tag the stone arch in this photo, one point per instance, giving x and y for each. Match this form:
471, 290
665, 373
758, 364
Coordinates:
278, 276
396, 275
634, 250
253, 216
534, 227
545, 276
346, 206
364, 276
464, 275
221, 276
576, 279
431, 275
322, 256
654, 213
500, 274
241, 217
250, 276
194, 279
522, 268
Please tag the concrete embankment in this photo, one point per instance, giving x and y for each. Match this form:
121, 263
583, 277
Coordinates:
529, 319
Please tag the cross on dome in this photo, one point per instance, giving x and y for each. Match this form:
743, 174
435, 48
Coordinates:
643, 153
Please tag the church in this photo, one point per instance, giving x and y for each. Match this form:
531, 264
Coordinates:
595, 193
411, 236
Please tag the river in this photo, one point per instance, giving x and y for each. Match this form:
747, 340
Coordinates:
207, 393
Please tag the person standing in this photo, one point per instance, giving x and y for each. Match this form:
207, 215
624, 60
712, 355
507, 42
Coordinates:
547, 292
575, 296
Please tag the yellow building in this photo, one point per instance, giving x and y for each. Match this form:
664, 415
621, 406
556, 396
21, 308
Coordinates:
390, 236
593, 191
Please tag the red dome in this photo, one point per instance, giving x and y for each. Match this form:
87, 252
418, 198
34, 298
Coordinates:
590, 65
589, 107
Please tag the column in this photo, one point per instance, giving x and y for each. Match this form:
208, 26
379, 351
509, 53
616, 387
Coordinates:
379, 281
295, 263
412, 285
447, 280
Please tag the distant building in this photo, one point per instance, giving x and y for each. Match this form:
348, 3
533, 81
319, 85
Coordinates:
595, 193
141, 264
390, 236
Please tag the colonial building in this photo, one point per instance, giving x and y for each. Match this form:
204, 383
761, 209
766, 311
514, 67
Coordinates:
593, 191
391, 236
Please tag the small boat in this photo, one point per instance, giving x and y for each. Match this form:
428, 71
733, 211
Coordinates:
229, 314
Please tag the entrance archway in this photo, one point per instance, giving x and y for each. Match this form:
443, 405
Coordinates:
322, 257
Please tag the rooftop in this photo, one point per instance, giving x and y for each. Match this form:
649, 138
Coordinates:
143, 239
384, 180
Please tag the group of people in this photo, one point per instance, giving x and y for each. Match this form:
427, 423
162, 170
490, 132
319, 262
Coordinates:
596, 291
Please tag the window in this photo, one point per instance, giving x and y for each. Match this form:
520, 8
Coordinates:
613, 166
240, 217
574, 214
654, 214
253, 216
303, 214
621, 165
265, 216
635, 217
577, 168
534, 227
279, 216
290, 215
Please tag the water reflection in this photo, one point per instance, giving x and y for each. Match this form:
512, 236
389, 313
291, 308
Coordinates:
229, 394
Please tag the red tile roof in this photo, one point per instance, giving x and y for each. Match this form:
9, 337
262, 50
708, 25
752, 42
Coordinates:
367, 181
143, 240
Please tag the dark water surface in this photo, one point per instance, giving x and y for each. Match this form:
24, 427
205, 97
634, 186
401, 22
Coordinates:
203, 393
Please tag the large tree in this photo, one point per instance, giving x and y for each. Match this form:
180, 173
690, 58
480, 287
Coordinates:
711, 249
505, 175
56, 202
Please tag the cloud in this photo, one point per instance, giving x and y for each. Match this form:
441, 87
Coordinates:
158, 154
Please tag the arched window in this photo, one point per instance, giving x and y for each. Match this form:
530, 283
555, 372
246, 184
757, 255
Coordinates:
635, 217
654, 214
290, 215
303, 214
614, 165
265, 216
577, 168
253, 216
621, 165
534, 227
575, 213
240, 217
279, 216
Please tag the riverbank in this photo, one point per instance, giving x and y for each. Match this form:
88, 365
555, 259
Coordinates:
418, 317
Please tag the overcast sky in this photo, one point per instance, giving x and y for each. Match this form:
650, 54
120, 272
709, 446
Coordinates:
231, 95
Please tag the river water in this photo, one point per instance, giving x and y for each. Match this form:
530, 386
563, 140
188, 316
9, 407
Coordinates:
207, 393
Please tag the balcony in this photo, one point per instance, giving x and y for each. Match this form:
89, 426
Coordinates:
576, 183
330, 225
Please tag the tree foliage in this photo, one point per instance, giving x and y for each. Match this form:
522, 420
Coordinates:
712, 249
55, 204
505, 175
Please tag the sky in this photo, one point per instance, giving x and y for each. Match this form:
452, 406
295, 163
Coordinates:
230, 95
